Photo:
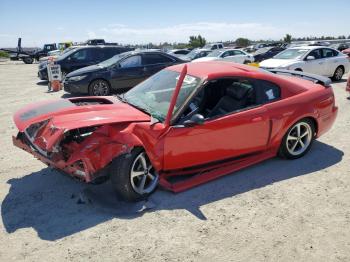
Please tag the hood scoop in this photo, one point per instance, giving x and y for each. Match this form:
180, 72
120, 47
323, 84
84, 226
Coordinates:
82, 101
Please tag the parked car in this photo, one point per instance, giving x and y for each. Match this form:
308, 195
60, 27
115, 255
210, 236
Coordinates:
266, 53
118, 73
312, 59
195, 54
95, 42
197, 121
340, 46
81, 57
231, 55
213, 46
178, 52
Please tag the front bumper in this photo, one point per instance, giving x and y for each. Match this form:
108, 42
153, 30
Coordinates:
72, 169
76, 87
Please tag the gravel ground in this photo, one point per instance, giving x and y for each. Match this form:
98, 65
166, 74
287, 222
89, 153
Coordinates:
278, 210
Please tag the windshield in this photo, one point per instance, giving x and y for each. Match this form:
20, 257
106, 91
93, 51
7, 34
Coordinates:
193, 53
154, 94
215, 53
68, 53
113, 60
294, 53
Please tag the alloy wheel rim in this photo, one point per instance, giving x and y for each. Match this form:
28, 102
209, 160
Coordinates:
143, 176
100, 88
299, 138
339, 74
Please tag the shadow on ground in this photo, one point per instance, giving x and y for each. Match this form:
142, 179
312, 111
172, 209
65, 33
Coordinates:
57, 206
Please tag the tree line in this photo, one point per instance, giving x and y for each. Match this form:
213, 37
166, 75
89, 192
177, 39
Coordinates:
200, 41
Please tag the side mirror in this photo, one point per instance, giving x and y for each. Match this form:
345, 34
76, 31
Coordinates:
196, 119
310, 57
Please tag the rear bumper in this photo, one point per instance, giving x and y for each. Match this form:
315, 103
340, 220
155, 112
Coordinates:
42, 74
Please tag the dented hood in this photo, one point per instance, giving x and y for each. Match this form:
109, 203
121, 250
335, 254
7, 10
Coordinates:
75, 113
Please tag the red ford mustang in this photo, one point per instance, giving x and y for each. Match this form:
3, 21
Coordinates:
183, 126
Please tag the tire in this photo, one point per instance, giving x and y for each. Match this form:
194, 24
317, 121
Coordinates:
338, 74
293, 141
28, 60
99, 87
128, 173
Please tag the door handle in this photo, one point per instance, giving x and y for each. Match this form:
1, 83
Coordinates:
257, 119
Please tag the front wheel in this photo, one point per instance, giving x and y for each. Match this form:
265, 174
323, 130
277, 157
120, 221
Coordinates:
99, 87
298, 139
133, 176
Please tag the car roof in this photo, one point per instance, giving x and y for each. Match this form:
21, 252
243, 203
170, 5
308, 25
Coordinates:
307, 47
213, 69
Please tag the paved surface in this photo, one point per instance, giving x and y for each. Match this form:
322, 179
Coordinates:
275, 211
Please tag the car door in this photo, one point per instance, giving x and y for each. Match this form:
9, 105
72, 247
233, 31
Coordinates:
331, 61
230, 136
79, 59
314, 66
154, 62
236, 56
127, 73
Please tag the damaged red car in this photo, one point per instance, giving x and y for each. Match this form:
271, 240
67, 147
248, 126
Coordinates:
183, 126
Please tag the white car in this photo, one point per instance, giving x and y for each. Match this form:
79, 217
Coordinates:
231, 55
318, 60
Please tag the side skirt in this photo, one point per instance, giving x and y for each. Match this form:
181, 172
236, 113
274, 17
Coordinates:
208, 174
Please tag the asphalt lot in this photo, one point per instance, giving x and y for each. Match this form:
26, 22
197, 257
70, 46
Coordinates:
278, 210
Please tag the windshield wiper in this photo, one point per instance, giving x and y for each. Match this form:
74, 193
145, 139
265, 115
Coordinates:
122, 98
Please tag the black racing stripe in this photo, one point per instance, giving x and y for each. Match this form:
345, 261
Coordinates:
44, 109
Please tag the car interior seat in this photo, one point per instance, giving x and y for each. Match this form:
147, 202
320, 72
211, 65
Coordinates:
237, 97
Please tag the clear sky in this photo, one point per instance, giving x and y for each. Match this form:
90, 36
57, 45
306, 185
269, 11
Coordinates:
44, 21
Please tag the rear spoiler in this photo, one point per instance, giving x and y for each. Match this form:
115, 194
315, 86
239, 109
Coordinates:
325, 81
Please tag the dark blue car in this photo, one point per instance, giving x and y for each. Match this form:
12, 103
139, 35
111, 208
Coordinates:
118, 73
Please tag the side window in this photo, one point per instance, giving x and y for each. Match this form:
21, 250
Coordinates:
221, 97
132, 61
214, 47
237, 52
316, 53
110, 52
327, 53
81, 55
227, 53
98, 54
267, 92
152, 59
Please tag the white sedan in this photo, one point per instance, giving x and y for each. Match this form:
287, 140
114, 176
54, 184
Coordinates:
231, 55
318, 60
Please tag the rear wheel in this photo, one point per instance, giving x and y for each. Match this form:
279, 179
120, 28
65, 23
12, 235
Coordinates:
338, 74
133, 176
28, 60
99, 87
298, 140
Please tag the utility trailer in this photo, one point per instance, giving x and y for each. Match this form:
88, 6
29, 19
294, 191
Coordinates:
28, 57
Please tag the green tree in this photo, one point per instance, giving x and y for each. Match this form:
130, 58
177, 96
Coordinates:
243, 42
197, 41
287, 38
